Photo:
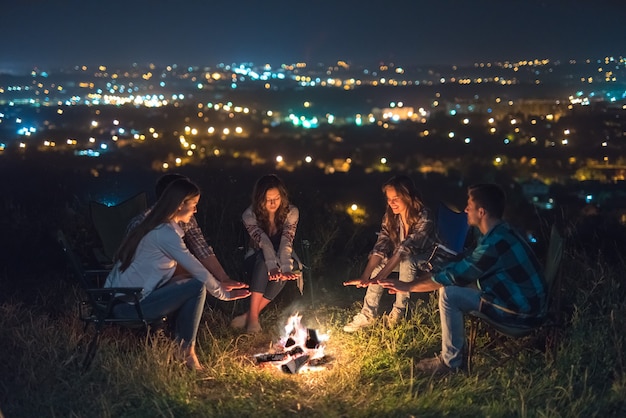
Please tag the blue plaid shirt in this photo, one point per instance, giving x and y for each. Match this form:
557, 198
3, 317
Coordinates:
505, 269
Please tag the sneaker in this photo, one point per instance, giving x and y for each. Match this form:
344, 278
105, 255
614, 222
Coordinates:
239, 321
359, 321
395, 316
434, 365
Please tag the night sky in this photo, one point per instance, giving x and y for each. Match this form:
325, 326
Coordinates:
46, 33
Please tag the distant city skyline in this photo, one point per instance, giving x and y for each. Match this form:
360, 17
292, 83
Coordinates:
40, 33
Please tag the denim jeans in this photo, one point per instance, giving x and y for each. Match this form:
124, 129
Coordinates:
183, 296
407, 268
454, 301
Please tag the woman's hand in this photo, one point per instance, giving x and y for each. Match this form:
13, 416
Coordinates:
290, 275
360, 282
274, 274
229, 285
239, 294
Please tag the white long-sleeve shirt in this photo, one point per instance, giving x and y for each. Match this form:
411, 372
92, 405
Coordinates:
155, 260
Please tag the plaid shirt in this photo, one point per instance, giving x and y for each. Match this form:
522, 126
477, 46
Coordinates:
283, 257
193, 238
420, 239
505, 269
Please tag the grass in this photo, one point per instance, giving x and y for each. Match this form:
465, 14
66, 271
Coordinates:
369, 374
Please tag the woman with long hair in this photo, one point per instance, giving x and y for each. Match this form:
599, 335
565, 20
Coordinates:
148, 258
271, 223
407, 236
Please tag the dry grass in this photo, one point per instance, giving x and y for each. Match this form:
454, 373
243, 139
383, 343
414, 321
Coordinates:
368, 373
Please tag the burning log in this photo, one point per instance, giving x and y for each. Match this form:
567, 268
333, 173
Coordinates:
273, 357
293, 366
301, 347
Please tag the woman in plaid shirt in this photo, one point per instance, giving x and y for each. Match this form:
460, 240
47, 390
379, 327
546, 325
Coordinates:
271, 223
407, 236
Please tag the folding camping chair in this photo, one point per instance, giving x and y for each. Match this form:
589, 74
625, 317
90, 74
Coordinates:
452, 227
111, 223
511, 339
97, 308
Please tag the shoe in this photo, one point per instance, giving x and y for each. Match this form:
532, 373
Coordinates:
239, 321
359, 321
434, 366
395, 316
254, 328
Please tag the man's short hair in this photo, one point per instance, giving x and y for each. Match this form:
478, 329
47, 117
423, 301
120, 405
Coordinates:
490, 197
165, 181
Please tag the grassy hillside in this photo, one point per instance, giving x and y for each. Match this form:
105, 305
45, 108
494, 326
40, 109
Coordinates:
368, 374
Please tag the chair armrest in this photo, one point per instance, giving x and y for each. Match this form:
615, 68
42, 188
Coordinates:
106, 298
113, 290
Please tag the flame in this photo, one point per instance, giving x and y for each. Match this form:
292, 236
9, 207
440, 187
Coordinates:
298, 350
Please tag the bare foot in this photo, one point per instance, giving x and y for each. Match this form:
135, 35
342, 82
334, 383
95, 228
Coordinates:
254, 327
239, 321
192, 363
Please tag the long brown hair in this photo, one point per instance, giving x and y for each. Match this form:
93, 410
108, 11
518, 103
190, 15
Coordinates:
262, 185
406, 190
175, 194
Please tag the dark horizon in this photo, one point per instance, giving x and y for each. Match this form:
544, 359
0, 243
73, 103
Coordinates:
45, 34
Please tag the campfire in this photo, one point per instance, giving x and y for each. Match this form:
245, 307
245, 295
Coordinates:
300, 349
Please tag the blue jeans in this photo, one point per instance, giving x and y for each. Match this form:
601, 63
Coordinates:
185, 296
454, 301
407, 268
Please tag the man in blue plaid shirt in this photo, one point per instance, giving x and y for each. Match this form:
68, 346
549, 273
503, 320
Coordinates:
501, 278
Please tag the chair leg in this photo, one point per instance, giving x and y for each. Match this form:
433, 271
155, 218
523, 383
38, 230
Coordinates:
93, 347
471, 341
551, 342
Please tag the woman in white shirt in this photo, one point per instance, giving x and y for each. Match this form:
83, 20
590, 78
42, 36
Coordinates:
148, 258
271, 223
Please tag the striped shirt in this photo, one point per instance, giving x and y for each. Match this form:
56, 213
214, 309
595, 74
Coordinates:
505, 269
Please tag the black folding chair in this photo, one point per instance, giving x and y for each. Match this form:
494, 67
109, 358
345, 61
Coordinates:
452, 227
97, 308
111, 223
511, 339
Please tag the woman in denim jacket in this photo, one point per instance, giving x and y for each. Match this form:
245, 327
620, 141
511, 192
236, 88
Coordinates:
407, 236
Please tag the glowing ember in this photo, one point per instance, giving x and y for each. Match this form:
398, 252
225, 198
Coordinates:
300, 349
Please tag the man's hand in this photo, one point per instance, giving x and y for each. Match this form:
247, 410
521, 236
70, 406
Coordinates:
229, 285
359, 282
239, 294
422, 283
395, 286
